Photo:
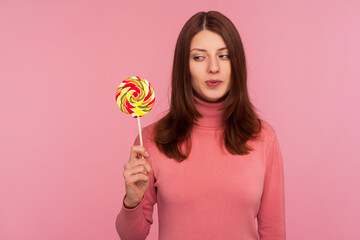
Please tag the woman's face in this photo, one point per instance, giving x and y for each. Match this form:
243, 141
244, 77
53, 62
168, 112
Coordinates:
210, 66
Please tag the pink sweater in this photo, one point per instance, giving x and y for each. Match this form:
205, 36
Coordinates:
212, 194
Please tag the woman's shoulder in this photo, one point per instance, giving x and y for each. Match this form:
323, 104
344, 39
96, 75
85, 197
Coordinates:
267, 132
264, 139
148, 130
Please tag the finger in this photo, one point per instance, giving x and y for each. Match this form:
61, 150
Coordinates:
135, 178
137, 152
134, 164
145, 163
135, 170
138, 169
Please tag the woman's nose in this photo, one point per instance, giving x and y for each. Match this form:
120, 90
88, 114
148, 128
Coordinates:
213, 65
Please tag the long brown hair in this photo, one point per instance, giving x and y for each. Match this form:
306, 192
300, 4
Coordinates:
241, 121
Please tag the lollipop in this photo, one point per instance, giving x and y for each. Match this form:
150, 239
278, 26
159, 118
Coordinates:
135, 96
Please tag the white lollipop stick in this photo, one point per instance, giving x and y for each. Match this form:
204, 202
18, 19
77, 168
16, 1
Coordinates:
141, 143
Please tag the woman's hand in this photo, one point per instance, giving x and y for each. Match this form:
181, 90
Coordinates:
136, 175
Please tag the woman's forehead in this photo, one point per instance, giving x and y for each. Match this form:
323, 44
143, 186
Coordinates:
207, 40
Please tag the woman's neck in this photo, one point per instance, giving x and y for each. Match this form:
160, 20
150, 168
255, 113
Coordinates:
212, 115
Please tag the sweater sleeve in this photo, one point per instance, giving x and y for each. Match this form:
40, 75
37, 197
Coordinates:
271, 216
135, 223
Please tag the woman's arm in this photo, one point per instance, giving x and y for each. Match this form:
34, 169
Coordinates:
271, 216
135, 223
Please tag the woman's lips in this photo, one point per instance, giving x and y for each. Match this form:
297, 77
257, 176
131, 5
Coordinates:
213, 83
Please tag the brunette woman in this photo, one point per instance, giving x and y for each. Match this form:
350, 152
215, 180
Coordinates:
213, 167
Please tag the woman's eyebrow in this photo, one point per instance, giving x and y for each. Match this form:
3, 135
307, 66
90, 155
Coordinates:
203, 50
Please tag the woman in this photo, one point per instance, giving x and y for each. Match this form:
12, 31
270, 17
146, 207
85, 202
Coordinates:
212, 166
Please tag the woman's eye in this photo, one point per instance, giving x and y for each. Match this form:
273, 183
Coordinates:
225, 55
197, 57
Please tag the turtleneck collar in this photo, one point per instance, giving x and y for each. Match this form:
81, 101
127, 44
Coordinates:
212, 115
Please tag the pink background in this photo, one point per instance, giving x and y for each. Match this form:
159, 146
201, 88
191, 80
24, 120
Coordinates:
64, 141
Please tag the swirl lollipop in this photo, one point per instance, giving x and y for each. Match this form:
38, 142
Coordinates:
135, 96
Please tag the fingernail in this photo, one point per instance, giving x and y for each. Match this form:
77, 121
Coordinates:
147, 154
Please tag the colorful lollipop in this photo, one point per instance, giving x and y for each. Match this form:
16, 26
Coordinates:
135, 96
